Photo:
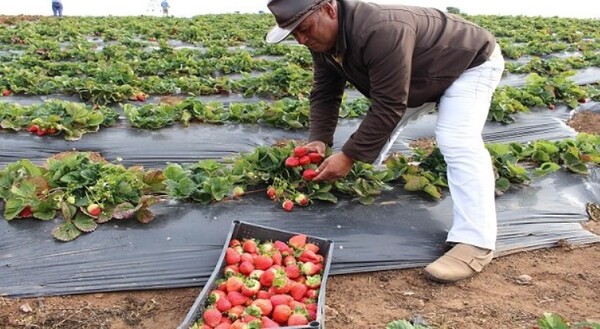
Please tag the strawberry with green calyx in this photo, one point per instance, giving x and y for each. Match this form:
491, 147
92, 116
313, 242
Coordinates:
281, 283
234, 243
250, 287
238, 324
277, 257
313, 281
252, 310
230, 270
255, 274
212, 317
236, 312
265, 306
287, 205
308, 255
289, 259
234, 283
310, 268
297, 319
292, 271
266, 279
266, 247
215, 295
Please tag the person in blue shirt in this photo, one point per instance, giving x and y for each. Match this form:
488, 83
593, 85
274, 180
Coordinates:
57, 8
165, 7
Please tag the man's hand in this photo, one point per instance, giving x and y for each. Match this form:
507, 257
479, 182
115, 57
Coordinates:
334, 167
316, 146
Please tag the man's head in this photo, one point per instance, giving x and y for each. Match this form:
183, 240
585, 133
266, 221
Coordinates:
314, 23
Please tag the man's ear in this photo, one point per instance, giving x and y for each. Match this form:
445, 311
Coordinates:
331, 9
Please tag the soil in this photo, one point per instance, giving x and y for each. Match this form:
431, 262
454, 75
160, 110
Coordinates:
512, 292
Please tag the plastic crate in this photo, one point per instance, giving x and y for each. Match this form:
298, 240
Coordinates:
243, 230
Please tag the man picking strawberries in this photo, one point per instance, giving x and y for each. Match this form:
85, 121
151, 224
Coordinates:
400, 57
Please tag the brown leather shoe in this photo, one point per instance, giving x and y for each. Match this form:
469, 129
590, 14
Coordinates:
461, 262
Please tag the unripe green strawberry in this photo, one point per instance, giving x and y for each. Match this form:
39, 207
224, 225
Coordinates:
238, 191
71, 199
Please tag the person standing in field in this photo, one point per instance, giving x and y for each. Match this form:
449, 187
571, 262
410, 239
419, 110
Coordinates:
57, 8
400, 57
165, 8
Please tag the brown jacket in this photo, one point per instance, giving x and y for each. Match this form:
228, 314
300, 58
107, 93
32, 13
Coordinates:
397, 56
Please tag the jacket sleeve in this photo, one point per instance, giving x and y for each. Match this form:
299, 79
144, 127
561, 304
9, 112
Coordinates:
388, 50
325, 100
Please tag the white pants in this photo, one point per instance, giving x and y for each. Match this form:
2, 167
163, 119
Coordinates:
462, 113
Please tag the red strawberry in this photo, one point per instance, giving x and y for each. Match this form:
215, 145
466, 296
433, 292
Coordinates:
281, 284
281, 299
298, 241
277, 257
309, 174
231, 256
266, 279
551, 106
301, 199
51, 131
304, 160
246, 268
263, 262
266, 247
250, 287
263, 294
309, 268
212, 317
265, 306
315, 158
312, 247
215, 295
41, 132
297, 319
236, 312
230, 270
33, 128
223, 325
281, 313
283, 247
312, 294
266, 322
297, 306
255, 274
250, 246
234, 283
234, 243
298, 290
308, 255
236, 298
238, 324
223, 304
247, 257
292, 271
271, 193
140, 97
287, 205
26, 212
300, 151
6, 92
289, 259
93, 209
292, 162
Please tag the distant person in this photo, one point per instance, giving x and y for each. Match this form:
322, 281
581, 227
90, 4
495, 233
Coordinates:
57, 8
165, 8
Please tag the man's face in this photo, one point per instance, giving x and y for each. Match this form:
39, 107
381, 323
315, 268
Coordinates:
318, 31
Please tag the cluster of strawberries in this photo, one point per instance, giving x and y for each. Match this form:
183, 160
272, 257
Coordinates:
35, 129
307, 162
266, 285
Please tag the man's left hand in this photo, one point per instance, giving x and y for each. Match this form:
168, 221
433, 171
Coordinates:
334, 167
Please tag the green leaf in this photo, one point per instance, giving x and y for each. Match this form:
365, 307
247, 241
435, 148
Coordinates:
124, 210
44, 211
68, 210
144, 215
552, 321
366, 200
84, 223
324, 196
402, 324
66, 232
12, 208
